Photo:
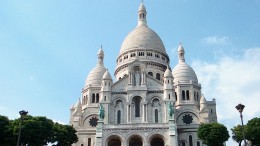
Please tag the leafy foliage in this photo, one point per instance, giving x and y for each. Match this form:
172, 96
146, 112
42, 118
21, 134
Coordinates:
252, 130
213, 134
237, 134
36, 131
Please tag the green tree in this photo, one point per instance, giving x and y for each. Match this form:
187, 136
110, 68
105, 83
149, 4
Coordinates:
252, 131
64, 135
237, 134
213, 134
6, 136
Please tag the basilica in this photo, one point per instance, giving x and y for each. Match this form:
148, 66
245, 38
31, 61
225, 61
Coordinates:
147, 103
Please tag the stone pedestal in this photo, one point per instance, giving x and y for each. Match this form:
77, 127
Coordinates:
173, 132
99, 132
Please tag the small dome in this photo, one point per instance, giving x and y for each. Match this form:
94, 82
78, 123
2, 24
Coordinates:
142, 37
107, 75
167, 73
95, 76
183, 72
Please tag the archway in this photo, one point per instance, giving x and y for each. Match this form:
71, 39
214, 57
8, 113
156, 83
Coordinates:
135, 141
157, 141
114, 141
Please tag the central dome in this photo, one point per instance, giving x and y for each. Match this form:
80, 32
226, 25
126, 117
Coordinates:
142, 37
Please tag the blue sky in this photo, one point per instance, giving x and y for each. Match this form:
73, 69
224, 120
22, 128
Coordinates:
47, 49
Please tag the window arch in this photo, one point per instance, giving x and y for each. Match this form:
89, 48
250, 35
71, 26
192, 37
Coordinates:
118, 117
137, 105
158, 76
93, 98
188, 95
198, 96
183, 95
150, 73
190, 141
183, 143
198, 143
89, 141
156, 115
105, 98
176, 96
97, 98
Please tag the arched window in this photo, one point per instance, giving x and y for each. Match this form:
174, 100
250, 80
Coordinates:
187, 95
89, 141
195, 96
93, 98
137, 104
158, 77
150, 73
176, 96
97, 98
183, 95
183, 143
198, 96
190, 141
169, 96
198, 143
156, 116
118, 117
105, 98
82, 145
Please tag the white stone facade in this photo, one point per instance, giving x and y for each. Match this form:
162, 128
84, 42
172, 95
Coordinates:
148, 104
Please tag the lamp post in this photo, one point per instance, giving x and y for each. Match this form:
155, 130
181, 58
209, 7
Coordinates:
240, 108
22, 113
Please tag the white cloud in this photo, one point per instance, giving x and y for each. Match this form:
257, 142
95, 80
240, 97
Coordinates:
232, 80
216, 40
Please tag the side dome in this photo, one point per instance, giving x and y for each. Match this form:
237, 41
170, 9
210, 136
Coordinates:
95, 76
142, 37
182, 71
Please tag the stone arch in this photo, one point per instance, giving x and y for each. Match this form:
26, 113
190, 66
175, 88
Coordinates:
114, 140
188, 113
156, 140
135, 140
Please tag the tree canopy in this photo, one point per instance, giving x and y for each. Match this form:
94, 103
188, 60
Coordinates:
252, 130
213, 134
237, 134
36, 131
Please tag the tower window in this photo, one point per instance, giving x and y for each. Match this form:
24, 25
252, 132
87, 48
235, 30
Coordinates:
97, 98
169, 96
150, 73
93, 98
137, 104
198, 143
183, 95
183, 143
156, 115
118, 117
190, 141
175, 96
105, 98
89, 141
187, 95
158, 76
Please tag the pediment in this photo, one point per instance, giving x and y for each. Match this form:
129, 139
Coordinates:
152, 83
121, 84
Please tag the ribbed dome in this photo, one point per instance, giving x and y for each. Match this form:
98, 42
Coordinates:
142, 36
183, 72
167, 73
107, 75
95, 76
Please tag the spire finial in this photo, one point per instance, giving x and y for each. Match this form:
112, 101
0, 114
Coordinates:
100, 55
141, 14
181, 53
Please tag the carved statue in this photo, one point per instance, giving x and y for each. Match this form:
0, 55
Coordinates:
137, 78
101, 112
170, 110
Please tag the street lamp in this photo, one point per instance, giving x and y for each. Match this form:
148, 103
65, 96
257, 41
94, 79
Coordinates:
22, 113
240, 108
